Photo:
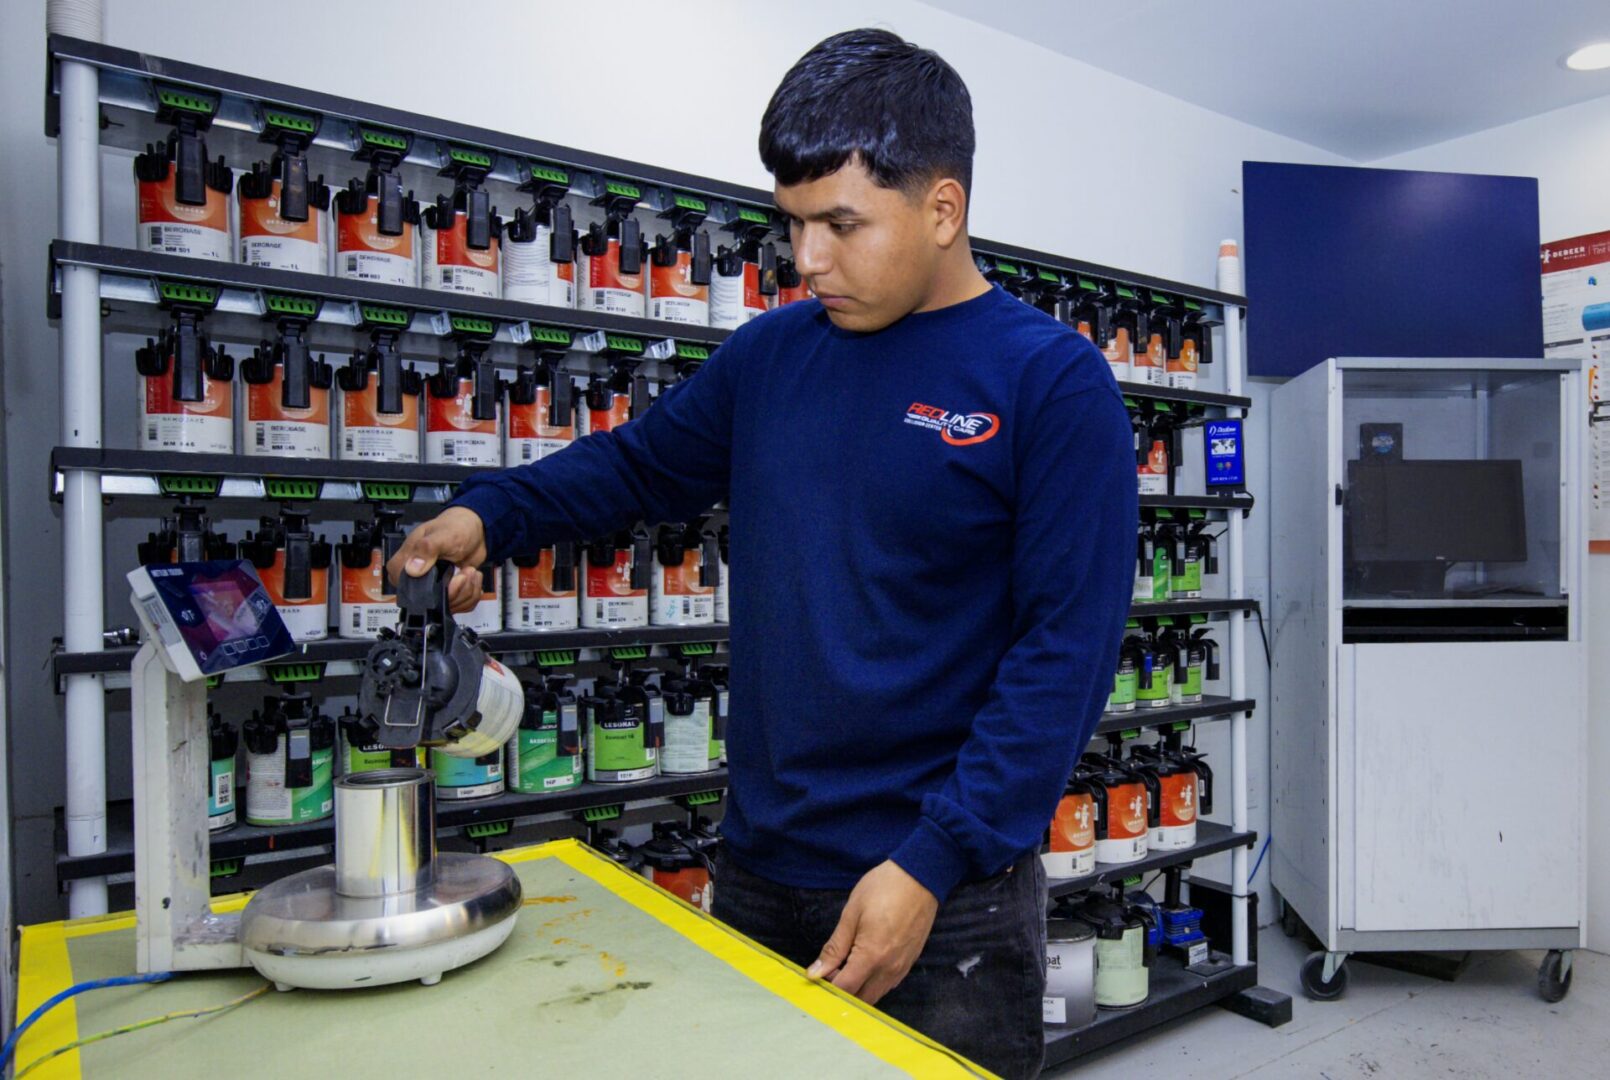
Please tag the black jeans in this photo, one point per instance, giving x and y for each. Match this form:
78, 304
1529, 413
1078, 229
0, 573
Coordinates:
977, 986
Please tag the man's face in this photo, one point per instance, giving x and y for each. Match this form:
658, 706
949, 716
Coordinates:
869, 253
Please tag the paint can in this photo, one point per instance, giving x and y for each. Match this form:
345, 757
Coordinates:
287, 396
539, 244
377, 405
361, 754
745, 278
540, 590
280, 232
1126, 681
368, 601
607, 400
185, 537
182, 204
717, 676
1184, 791
724, 582
486, 617
791, 287
294, 567
1171, 567
623, 736
687, 566
673, 862
1200, 556
1154, 688
691, 745
1123, 819
1196, 349
290, 762
610, 264
546, 754
461, 411
1070, 973
541, 412
1124, 949
187, 390
680, 267
1149, 357
373, 243
222, 743
614, 581
1072, 843
1151, 457
461, 778
459, 236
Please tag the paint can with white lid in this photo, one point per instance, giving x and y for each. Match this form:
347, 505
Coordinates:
539, 244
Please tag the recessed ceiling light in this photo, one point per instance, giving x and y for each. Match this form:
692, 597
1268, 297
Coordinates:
1590, 57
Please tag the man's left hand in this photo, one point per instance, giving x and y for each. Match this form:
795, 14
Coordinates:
881, 933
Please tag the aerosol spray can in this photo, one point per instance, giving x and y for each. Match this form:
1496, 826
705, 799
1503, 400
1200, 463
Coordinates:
610, 268
540, 590
361, 754
679, 270
460, 233
368, 597
283, 219
545, 754
458, 778
724, 581
539, 244
687, 566
294, 566
461, 417
625, 728
791, 287
287, 396
185, 537
222, 742
614, 581
691, 710
486, 617
187, 390
376, 239
290, 762
745, 280
183, 203
378, 405
540, 414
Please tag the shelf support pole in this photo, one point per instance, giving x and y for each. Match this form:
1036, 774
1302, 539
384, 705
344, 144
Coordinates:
1239, 817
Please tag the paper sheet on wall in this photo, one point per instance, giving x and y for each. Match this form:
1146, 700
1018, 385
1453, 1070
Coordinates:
1576, 323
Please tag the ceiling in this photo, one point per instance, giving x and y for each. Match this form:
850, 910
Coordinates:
1362, 78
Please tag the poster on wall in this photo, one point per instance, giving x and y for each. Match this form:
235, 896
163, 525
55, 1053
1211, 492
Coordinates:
1576, 323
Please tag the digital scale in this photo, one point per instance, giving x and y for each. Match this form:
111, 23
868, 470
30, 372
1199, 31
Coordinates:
391, 908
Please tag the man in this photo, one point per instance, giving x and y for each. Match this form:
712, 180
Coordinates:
933, 504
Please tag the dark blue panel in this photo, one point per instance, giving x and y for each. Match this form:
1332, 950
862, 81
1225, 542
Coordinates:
1383, 262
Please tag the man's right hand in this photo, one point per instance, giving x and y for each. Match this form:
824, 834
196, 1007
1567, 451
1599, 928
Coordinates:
457, 535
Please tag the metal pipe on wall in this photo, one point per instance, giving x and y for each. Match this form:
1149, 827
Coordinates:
79, 211
1240, 820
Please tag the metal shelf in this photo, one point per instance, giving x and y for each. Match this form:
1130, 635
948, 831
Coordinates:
1153, 392
130, 276
256, 843
1211, 838
1227, 501
1190, 607
1175, 992
1208, 708
335, 652
128, 82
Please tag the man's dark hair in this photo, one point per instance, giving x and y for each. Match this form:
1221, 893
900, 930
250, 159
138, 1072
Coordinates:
871, 96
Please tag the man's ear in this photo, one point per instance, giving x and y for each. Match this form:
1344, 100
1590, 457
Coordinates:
947, 204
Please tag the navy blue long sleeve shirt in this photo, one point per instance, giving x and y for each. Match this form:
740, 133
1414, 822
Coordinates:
932, 555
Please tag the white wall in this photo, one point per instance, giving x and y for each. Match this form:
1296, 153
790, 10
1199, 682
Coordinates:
1071, 159
1568, 150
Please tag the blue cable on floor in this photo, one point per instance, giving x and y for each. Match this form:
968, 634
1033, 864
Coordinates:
1261, 853
56, 999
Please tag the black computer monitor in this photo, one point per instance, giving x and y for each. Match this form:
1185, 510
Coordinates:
1431, 514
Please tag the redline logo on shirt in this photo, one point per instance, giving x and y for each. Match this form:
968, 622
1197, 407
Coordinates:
958, 429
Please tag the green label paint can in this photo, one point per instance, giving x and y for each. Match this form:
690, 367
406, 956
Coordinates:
620, 741
290, 762
545, 754
460, 778
222, 742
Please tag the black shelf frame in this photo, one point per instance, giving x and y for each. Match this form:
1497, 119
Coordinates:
1225, 501
163, 463
133, 75
1175, 992
245, 842
335, 649
1211, 838
1208, 398
1169, 608
1209, 708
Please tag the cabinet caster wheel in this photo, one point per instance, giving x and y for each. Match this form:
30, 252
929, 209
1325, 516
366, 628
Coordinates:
1554, 976
1290, 924
1314, 983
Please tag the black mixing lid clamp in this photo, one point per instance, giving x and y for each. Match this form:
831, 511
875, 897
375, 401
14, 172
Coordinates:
385, 150
1091, 303
421, 682
185, 344
185, 537
292, 134
468, 170
638, 541
190, 112
474, 338
624, 355
1197, 325
750, 230
686, 214
384, 532
551, 346
290, 316
386, 326
1166, 311
1016, 278
710, 563
618, 201
548, 186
